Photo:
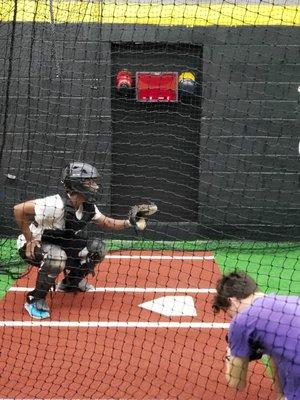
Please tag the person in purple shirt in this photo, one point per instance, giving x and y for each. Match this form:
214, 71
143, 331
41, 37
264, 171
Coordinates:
261, 324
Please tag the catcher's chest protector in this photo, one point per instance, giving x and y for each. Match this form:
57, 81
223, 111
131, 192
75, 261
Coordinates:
72, 223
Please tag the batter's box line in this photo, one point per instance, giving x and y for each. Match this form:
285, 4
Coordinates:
114, 324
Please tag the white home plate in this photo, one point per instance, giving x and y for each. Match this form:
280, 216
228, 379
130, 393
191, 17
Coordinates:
172, 306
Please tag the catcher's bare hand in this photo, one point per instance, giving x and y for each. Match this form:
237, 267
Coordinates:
138, 215
30, 248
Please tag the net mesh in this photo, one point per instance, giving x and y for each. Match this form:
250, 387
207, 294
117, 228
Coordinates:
192, 106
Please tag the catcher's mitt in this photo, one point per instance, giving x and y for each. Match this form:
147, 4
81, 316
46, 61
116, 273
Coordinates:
256, 349
137, 215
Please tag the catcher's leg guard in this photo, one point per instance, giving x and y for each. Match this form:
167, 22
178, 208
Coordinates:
96, 251
73, 275
93, 254
78, 269
54, 261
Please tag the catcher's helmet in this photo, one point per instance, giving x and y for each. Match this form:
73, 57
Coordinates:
124, 79
81, 178
187, 83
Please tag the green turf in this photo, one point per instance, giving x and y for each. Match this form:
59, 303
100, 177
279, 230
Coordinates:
10, 265
275, 272
275, 266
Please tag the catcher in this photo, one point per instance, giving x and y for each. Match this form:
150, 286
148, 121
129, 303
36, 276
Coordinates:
53, 236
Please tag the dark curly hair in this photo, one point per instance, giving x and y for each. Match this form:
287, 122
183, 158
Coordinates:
236, 284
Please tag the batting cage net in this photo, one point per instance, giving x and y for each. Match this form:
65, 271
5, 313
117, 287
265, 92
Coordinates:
149, 230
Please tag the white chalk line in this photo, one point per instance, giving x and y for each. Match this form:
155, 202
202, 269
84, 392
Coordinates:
152, 257
129, 290
114, 324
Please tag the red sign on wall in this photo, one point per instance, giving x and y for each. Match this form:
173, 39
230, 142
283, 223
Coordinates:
156, 87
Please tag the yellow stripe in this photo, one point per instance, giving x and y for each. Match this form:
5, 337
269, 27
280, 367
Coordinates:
157, 14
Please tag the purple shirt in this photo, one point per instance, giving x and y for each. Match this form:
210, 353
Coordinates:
273, 321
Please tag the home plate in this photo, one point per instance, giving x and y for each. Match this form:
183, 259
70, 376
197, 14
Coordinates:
172, 306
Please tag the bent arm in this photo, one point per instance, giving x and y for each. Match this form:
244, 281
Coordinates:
24, 214
275, 377
236, 371
111, 223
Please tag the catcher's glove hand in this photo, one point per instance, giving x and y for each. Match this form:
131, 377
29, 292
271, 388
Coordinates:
256, 350
137, 215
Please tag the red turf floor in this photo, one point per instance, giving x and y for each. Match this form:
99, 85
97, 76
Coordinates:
121, 363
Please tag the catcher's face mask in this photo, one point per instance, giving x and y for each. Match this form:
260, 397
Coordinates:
82, 178
92, 185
